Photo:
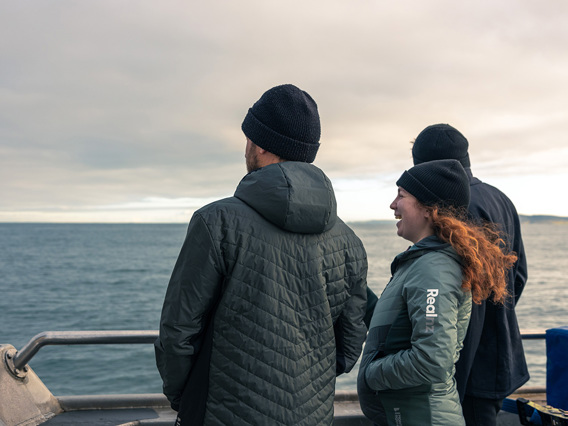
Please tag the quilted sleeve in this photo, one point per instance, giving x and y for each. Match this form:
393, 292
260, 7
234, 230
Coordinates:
192, 291
350, 329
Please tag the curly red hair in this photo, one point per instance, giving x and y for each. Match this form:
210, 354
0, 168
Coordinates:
486, 259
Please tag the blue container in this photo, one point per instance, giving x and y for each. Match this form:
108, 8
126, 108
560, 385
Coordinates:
557, 367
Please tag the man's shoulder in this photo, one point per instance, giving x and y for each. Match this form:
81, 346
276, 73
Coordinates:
223, 203
486, 196
223, 208
340, 227
492, 205
480, 186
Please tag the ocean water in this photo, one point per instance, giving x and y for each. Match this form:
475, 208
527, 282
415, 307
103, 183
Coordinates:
56, 277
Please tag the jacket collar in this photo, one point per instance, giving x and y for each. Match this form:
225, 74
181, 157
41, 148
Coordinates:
428, 244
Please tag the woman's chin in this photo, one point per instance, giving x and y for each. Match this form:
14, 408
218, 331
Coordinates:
398, 229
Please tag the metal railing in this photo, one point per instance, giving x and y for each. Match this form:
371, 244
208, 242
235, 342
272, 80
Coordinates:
533, 334
24, 355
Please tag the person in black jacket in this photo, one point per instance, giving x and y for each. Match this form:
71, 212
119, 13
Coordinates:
492, 362
265, 304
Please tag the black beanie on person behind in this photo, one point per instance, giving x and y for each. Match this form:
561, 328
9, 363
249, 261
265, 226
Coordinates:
442, 183
285, 121
440, 142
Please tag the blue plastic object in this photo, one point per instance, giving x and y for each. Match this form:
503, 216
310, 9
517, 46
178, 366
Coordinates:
557, 367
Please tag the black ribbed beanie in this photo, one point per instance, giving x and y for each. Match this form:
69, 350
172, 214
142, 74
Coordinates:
442, 183
439, 142
285, 122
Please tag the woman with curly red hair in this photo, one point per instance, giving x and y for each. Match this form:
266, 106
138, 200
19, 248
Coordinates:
419, 323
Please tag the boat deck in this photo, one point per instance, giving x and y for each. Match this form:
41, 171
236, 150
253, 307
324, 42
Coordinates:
131, 410
153, 410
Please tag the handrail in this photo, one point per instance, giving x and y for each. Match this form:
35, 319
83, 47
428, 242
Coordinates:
533, 334
24, 355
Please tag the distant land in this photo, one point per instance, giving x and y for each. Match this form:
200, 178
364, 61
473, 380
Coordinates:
540, 218
543, 219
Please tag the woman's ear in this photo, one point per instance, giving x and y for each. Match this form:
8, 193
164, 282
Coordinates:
428, 214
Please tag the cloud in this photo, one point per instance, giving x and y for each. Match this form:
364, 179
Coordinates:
111, 103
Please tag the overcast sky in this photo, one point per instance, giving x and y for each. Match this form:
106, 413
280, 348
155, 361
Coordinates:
130, 111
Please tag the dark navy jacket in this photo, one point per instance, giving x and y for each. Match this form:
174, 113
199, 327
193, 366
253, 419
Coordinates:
492, 362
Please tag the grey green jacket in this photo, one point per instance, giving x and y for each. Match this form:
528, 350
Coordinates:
265, 304
415, 335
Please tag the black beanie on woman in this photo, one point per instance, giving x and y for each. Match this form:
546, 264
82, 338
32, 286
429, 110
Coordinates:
285, 122
442, 183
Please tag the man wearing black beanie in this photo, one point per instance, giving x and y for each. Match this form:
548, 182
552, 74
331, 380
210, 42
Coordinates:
492, 362
265, 304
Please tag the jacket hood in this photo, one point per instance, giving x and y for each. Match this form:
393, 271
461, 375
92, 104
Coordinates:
295, 196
